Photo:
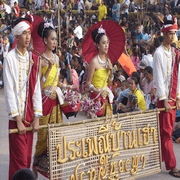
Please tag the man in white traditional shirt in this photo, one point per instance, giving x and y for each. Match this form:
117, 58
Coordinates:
22, 95
78, 30
166, 73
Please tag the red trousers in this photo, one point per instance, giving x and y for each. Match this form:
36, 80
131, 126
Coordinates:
167, 120
20, 150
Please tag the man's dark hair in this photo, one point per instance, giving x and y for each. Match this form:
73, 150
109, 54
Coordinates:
24, 174
21, 19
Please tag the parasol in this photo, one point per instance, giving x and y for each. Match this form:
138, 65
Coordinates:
127, 64
37, 40
117, 41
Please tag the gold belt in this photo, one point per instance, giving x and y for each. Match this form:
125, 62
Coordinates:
51, 94
104, 94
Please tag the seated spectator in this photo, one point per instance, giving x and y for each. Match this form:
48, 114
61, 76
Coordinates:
24, 174
10, 36
132, 6
177, 7
147, 82
131, 105
72, 76
5, 46
149, 57
119, 81
123, 96
146, 36
135, 57
88, 5
78, 30
78, 63
133, 82
116, 11
2, 25
63, 79
16, 9
129, 47
160, 6
46, 6
80, 6
70, 40
142, 64
148, 87
139, 34
137, 76
168, 15
102, 10
152, 5
176, 133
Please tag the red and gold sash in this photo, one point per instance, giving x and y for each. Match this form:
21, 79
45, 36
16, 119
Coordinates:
29, 111
174, 77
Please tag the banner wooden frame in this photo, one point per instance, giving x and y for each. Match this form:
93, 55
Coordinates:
103, 164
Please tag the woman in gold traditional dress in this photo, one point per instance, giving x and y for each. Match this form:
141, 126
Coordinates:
51, 104
100, 74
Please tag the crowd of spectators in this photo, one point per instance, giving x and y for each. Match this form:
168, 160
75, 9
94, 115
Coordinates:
143, 34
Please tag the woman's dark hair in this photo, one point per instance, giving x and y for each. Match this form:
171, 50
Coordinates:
149, 69
44, 31
64, 25
70, 30
80, 60
135, 80
75, 58
59, 48
63, 72
146, 29
136, 75
152, 49
76, 39
64, 54
157, 42
74, 49
135, 51
97, 36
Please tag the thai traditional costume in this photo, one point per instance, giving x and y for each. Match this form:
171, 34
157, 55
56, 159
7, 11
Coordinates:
105, 96
167, 81
23, 98
51, 115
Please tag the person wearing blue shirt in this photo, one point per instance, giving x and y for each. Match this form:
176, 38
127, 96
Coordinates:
123, 95
139, 34
146, 36
10, 36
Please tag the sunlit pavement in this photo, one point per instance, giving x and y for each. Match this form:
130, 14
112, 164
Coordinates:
4, 150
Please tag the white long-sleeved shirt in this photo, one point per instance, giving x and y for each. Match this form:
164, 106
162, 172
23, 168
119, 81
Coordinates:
162, 72
15, 70
78, 32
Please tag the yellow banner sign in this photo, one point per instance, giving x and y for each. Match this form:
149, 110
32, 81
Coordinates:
123, 146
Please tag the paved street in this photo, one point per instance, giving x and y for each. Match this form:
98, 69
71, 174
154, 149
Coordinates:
4, 157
